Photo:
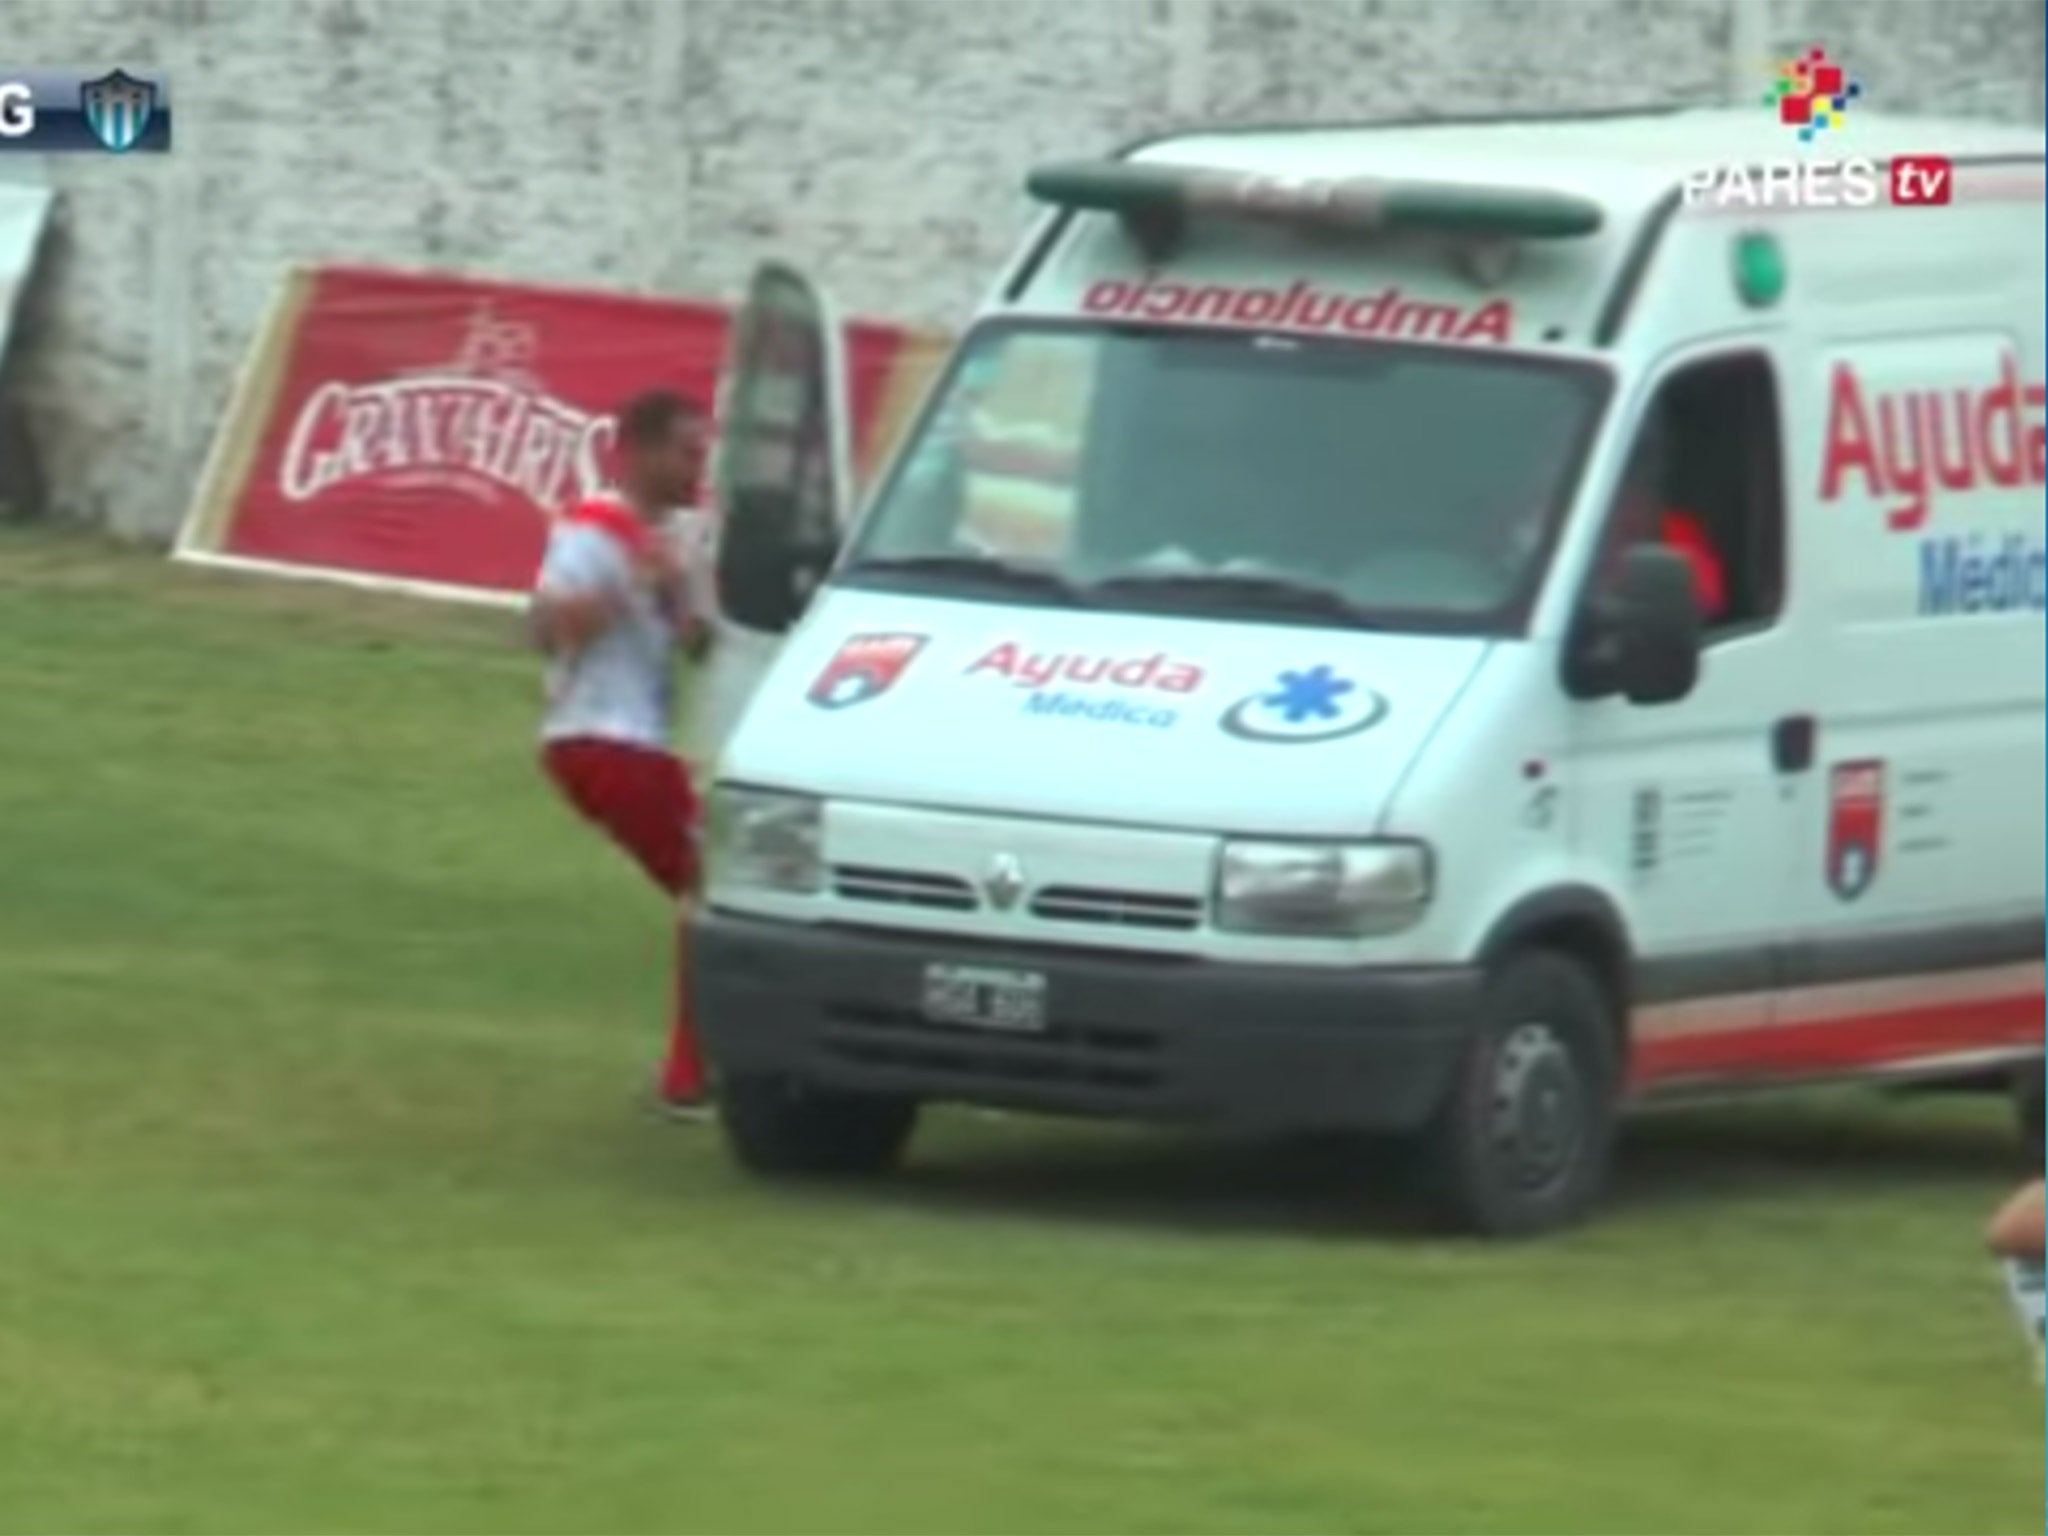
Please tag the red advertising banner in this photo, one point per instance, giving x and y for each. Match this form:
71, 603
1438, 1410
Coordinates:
419, 430
889, 368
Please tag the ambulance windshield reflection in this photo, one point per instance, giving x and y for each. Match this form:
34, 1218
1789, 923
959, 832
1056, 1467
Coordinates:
1407, 487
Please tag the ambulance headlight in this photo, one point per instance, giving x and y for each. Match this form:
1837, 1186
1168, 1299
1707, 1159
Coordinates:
1321, 890
767, 840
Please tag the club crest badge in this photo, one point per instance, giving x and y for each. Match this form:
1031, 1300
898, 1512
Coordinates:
1855, 827
118, 108
863, 668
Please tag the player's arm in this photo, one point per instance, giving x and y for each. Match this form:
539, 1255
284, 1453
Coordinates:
2020, 1229
567, 619
576, 598
667, 573
694, 634
691, 629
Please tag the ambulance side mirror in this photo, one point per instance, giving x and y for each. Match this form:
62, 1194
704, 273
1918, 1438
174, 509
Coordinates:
1640, 637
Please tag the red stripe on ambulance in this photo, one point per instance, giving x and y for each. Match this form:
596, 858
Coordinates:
1843, 1045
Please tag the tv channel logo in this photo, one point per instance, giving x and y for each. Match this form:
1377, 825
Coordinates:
92, 111
1923, 181
1812, 93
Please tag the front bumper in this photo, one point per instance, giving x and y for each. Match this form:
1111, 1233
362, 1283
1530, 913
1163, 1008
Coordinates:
1131, 1036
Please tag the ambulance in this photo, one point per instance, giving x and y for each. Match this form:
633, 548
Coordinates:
1267, 691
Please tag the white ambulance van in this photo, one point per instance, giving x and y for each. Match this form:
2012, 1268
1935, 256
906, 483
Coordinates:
1454, 631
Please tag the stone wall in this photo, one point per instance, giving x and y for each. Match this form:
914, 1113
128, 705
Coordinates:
665, 144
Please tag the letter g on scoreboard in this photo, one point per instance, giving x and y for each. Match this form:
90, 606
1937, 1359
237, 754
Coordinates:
93, 111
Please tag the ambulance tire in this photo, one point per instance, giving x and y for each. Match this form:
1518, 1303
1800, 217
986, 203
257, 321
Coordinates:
1523, 1142
781, 1128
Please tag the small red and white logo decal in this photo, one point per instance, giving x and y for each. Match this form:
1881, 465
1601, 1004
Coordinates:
1855, 826
864, 667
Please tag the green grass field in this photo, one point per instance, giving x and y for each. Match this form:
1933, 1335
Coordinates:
326, 1201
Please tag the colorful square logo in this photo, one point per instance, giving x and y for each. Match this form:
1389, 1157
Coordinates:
1812, 92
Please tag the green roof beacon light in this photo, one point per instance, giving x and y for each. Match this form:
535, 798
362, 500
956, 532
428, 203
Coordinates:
1759, 269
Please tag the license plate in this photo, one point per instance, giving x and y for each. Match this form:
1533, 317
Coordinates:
985, 997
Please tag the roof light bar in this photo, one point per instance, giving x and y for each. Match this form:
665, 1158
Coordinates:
1156, 201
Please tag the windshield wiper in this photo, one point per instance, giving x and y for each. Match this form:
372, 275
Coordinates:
1263, 594
972, 568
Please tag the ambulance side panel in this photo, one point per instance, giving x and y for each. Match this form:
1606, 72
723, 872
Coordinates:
1916, 461
1676, 809
1879, 907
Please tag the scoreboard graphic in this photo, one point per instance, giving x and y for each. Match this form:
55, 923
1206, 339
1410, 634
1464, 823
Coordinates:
95, 111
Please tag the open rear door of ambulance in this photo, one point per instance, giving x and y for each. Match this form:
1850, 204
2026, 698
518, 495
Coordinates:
782, 481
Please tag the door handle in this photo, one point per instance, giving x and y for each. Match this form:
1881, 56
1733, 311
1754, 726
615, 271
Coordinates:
1792, 742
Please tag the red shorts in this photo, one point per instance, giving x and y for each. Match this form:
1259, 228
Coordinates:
640, 796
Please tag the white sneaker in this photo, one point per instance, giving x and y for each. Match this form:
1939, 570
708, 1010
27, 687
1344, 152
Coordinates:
697, 1111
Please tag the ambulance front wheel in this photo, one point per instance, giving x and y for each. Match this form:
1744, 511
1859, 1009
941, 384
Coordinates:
1524, 1139
782, 1127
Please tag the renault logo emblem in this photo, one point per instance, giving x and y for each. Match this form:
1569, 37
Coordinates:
1004, 882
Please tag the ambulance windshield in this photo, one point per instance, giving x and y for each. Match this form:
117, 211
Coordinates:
1392, 486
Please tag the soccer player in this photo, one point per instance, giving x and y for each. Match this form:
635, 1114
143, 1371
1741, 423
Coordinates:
2018, 1236
610, 608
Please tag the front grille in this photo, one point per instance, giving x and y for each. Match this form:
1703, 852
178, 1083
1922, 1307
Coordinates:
902, 888
1097, 906
1068, 1053
1116, 909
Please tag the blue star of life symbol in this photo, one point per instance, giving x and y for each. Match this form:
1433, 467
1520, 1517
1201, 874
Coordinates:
1310, 695
1305, 706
